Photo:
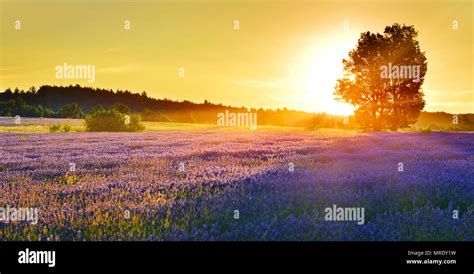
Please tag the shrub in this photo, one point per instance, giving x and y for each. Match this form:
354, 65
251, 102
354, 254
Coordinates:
121, 108
113, 121
54, 128
426, 131
57, 128
67, 128
71, 111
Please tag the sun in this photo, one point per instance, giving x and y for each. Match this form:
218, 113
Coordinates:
324, 69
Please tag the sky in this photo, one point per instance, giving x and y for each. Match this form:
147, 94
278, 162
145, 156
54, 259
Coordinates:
269, 54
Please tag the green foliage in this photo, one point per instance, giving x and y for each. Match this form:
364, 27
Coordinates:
113, 121
71, 111
97, 108
67, 128
57, 128
135, 124
384, 103
18, 106
41, 102
444, 121
121, 108
54, 128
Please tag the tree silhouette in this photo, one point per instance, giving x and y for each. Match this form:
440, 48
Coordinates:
383, 78
72, 110
122, 108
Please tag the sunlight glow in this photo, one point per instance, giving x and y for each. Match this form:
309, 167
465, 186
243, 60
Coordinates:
324, 69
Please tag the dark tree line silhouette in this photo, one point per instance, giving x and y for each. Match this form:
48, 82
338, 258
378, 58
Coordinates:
77, 102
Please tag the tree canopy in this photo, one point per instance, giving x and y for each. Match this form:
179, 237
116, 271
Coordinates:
383, 79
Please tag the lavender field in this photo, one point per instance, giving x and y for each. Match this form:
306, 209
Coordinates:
238, 185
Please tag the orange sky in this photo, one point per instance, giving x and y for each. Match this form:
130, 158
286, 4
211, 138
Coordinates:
284, 53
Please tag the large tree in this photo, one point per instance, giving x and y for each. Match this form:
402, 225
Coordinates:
383, 78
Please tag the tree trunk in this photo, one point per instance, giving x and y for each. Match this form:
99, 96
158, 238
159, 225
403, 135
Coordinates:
375, 121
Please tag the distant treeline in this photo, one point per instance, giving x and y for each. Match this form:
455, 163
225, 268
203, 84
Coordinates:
77, 102
445, 121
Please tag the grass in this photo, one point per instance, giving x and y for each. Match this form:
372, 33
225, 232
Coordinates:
36, 128
44, 127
